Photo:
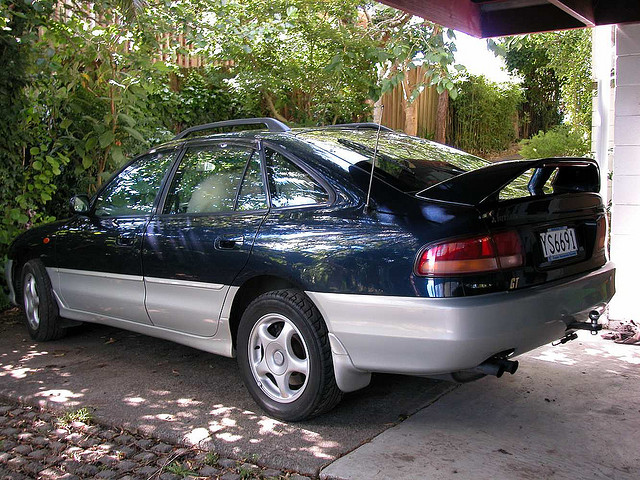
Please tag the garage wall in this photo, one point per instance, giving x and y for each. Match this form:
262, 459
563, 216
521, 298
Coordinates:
625, 222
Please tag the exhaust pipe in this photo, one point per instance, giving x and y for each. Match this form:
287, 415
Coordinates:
496, 367
510, 366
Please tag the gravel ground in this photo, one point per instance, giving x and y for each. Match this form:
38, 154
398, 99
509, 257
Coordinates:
42, 445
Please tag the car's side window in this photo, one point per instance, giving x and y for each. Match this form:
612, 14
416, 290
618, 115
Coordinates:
289, 185
208, 179
134, 190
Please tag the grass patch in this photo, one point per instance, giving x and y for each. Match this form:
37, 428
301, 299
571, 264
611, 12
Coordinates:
211, 459
179, 469
83, 415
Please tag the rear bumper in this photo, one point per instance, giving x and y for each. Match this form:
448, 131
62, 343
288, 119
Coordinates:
429, 336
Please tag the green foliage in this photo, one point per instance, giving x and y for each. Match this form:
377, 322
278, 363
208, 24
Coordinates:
83, 415
484, 115
30, 155
201, 96
211, 459
570, 53
556, 72
180, 469
526, 57
304, 61
404, 43
559, 141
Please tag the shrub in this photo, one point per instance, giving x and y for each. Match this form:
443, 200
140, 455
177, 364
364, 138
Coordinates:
484, 115
559, 141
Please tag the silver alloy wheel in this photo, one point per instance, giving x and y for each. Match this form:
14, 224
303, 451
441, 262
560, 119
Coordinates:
31, 301
278, 358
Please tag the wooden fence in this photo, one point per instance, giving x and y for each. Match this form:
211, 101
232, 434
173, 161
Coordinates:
393, 113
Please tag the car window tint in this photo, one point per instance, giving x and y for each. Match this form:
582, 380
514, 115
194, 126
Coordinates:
252, 194
134, 190
207, 179
289, 185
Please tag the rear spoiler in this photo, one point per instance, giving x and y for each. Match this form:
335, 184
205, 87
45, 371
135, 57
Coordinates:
484, 184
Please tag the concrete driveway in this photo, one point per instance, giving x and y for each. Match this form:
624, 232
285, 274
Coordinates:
570, 412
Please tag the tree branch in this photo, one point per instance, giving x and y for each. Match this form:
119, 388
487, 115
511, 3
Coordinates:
272, 108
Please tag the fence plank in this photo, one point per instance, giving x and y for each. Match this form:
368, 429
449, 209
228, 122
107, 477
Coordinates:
393, 114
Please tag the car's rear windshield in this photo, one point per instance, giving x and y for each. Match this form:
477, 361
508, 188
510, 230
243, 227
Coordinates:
408, 163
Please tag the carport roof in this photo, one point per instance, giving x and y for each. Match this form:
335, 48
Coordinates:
490, 18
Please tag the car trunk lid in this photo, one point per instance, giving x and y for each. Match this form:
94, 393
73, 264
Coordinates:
553, 205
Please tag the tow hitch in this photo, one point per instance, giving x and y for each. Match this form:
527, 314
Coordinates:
594, 327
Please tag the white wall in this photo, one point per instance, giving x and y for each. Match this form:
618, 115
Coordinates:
625, 222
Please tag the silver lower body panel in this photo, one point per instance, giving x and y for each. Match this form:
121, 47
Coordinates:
430, 336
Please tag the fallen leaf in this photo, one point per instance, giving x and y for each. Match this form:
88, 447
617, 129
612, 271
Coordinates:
111, 340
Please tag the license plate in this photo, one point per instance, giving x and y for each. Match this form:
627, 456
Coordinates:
558, 243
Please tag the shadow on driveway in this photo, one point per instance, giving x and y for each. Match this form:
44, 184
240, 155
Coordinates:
179, 394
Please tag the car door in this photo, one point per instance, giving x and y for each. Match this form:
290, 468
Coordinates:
202, 238
99, 265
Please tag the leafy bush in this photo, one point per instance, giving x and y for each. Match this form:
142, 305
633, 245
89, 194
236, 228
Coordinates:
484, 115
560, 141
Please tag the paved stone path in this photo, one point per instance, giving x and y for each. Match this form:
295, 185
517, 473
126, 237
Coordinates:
38, 444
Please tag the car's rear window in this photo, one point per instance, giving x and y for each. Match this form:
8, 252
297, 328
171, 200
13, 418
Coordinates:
408, 163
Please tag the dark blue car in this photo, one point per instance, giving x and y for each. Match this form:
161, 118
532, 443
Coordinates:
320, 255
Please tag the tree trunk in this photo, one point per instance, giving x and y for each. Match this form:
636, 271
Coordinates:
410, 108
377, 111
410, 117
272, 108
441, 117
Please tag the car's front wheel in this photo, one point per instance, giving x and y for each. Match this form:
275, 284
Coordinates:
285, 356
40, 307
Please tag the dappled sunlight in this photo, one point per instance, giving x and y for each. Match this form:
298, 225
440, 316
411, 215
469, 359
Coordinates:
17, 371
60, 396
317, 452
268, 426
179, 394
167, 417
556, 356
608, 349
188, 402
196, 436
228, 437
594, 347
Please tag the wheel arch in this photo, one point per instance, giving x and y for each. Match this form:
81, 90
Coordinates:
347, 376
251, 289
21, 257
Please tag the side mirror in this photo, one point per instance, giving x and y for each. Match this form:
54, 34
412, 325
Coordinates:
79, 204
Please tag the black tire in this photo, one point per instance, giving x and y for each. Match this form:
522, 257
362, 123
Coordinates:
318, 392
42, 319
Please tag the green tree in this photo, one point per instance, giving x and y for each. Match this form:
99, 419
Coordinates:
405, 43
556, 72
484, 115
301, 61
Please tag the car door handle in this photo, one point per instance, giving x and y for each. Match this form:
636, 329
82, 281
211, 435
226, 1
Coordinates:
125, 241
228, 243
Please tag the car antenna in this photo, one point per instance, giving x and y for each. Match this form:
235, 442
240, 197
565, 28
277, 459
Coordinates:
373, 163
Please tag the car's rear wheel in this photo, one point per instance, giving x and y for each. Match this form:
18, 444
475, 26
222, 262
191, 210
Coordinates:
40, 307
285, 356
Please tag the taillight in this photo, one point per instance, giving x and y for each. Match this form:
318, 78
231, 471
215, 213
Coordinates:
472, 255
601, 234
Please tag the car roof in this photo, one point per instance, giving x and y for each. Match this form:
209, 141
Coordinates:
274, 129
